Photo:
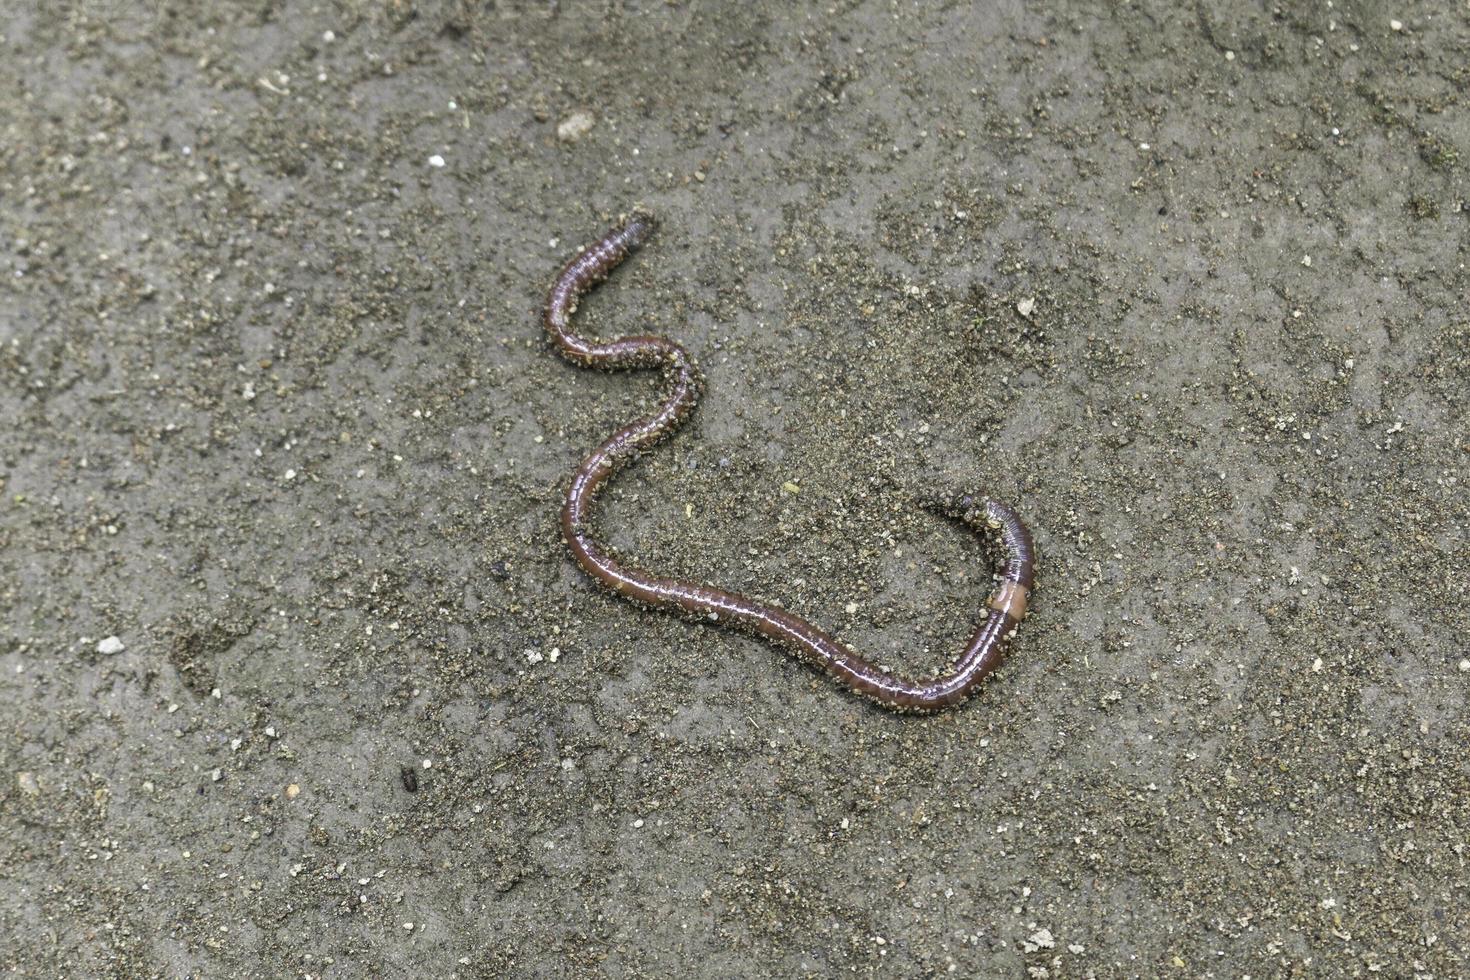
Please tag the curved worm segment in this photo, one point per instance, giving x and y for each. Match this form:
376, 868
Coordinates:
988, 644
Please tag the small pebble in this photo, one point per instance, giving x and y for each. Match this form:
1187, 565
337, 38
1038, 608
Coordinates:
1396, 25
575, 126
436, 161
1465, 666
110, 646
1025, 307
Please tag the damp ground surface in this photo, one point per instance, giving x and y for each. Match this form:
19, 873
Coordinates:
298, 679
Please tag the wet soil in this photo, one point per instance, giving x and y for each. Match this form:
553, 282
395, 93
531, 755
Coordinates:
300, 681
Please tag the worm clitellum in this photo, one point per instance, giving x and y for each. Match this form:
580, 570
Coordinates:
987, 646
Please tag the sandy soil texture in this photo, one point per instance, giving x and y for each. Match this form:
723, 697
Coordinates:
298, 679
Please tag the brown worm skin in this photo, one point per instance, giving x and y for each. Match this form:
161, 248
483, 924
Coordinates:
987, 647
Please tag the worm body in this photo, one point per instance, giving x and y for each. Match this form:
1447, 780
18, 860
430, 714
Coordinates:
983, 653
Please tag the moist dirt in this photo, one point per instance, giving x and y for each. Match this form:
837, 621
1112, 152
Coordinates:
299, 680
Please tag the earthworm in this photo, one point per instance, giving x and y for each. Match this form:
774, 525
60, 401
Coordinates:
987, 647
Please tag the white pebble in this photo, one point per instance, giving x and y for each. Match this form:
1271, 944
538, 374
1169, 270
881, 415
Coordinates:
436, 161
1465, 666
1026, 306
110, 646
1396, 25
575, 126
